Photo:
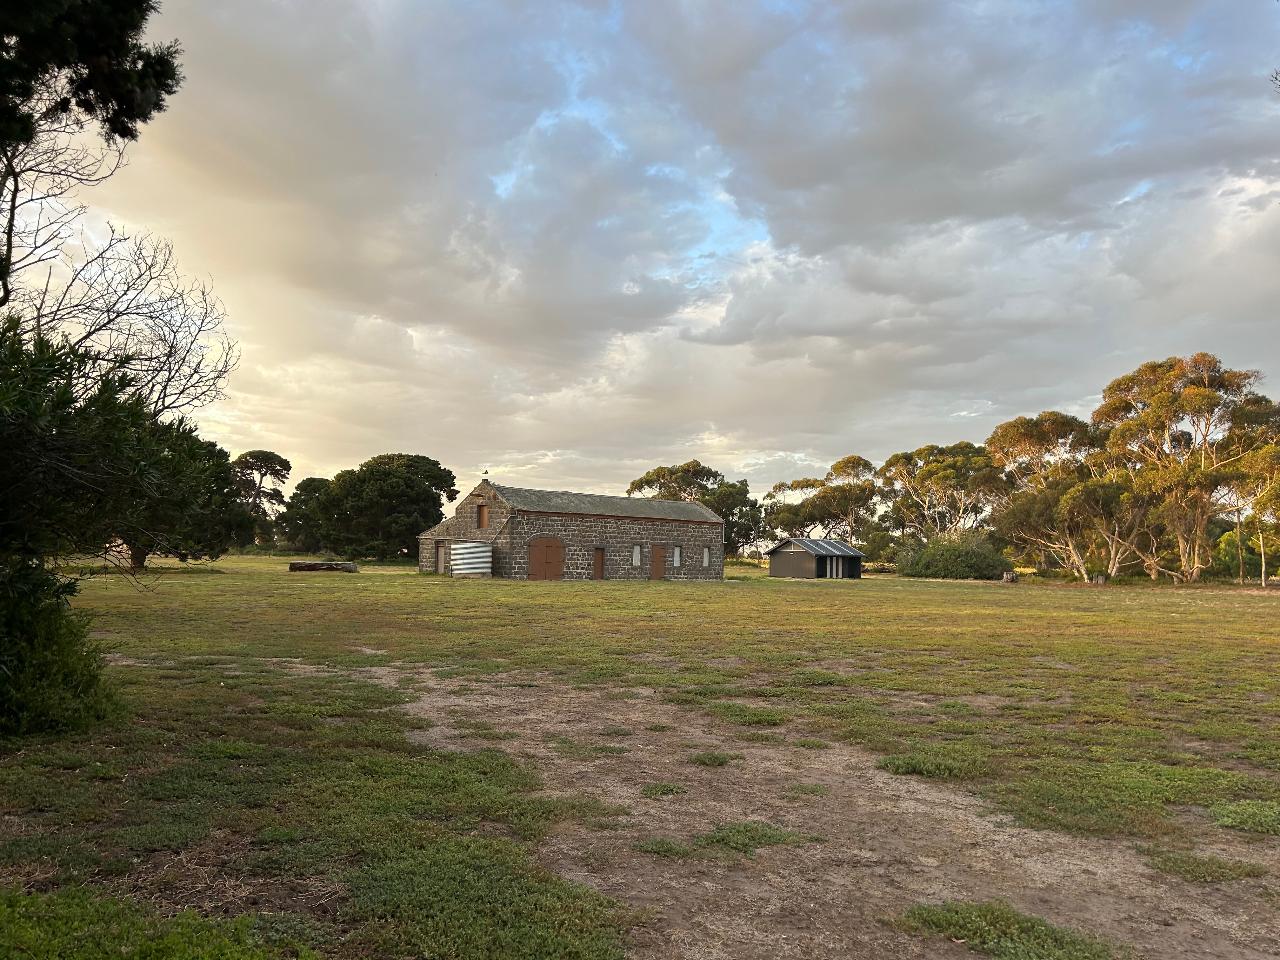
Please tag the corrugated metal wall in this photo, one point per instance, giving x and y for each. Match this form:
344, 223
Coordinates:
470, 558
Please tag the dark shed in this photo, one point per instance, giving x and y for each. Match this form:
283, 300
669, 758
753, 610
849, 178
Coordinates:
810, 559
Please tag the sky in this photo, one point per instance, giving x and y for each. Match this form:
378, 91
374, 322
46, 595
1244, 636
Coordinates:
567, 241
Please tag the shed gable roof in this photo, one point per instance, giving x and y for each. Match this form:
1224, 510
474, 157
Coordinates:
821, 548
595, 504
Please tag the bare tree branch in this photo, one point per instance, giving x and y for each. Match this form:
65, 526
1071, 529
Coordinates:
38, 182
123, 298
127, 301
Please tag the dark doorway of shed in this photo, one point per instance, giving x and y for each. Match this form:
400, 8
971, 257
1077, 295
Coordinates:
546, 558
597, 569
657, 563
839, 568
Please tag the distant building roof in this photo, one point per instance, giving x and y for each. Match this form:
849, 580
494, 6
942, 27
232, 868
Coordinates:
562, 501
822, 548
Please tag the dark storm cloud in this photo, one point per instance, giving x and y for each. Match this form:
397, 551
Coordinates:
568, 240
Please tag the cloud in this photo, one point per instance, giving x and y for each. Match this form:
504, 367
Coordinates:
569, 240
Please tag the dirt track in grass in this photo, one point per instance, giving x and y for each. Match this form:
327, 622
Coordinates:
888, 842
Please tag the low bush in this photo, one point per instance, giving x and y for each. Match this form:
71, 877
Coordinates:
962, 558
50, 671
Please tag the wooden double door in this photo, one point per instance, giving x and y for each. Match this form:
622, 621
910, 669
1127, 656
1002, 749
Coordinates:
546, 558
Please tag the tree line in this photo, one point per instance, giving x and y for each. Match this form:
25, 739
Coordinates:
1176, 474
375, 510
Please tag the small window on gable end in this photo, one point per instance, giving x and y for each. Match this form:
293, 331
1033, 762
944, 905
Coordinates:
482, 516
706, 556
677, 554
635, 555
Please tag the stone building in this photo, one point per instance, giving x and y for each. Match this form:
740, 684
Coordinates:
555, 535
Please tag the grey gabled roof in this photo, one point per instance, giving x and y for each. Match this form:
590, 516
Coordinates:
562, 501
823, 548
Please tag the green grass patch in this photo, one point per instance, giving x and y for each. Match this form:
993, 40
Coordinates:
940, 761
714, 758
579, 750
749, 836
482, 730
666, 847
811, 743
477, 897
1121, 798
815, 678
300, 779
1200, 868
749, 716
653, 791
998, 930
75, 925
1253, 816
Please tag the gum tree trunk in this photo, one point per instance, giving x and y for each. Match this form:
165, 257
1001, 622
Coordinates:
1262, 549
1239, 548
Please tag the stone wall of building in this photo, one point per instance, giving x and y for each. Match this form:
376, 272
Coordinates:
511, 532
619, 536
464, 525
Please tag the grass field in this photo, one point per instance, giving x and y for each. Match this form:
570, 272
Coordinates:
396, 765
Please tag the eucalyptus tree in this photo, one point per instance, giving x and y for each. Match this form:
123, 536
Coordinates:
1180, 430
695, 482
842, 503
1259, 488
683, 481
1063, 499
742, 515
792, 518
941, 490
1042, 460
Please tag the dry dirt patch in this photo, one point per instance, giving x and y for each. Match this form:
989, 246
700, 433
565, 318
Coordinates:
888, 842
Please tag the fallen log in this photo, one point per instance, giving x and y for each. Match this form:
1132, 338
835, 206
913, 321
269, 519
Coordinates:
335, 566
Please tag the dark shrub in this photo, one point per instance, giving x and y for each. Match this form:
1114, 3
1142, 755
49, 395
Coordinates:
967, 558
50, 672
